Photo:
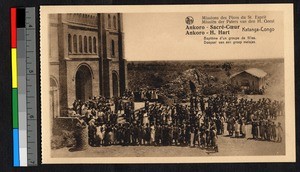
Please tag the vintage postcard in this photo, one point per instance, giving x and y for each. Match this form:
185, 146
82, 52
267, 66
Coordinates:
167, 84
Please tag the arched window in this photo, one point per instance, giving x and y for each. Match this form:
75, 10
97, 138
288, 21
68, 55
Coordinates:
115, 22
109, 21
70, 43
85, 44
112, 48
75, 43
80, 44
90, 44
95, 44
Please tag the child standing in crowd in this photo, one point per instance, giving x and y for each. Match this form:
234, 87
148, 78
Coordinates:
152, 135
214, 138
255, 126
279, 132
192, 136
236, 129
273, 135
243, 128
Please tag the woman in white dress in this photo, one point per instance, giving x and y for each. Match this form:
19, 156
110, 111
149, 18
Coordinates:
110, 137
145, 118
113, 135
152, 134
237, 129
192, 136
169, 118
100, 134
243, 128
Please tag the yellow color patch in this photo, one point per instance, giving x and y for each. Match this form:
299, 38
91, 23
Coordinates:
14, 68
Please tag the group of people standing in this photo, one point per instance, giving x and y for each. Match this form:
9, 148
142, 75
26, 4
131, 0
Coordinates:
195, 124
147, 95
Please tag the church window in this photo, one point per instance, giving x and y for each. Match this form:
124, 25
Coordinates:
113, 48
95, 45
75, 43
85, 44
80, 44
115, 22
70, 43
109, 21
90, 44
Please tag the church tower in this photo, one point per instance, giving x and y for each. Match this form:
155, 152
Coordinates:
112, 61
86, 58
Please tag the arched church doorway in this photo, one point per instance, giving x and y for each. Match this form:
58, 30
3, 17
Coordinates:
115, 84
83, 83
54, 98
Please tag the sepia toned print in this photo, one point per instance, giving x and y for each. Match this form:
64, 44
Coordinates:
173, 84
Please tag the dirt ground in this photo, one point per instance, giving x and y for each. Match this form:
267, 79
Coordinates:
227, 147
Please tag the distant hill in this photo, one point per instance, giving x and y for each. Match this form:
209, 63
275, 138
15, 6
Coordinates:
173, 77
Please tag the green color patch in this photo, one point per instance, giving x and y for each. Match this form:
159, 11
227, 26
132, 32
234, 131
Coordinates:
15, 108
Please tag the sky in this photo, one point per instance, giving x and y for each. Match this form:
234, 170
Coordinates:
161, 36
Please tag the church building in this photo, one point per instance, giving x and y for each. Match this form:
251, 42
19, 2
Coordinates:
86, 58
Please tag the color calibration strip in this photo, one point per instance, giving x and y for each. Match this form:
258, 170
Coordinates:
14, 68
23, 58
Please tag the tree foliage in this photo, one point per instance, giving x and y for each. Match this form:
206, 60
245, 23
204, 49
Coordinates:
227, 67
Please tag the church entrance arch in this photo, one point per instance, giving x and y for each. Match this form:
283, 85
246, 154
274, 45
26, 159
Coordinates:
115, 80
83, 83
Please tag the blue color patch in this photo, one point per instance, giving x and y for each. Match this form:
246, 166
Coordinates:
16, 148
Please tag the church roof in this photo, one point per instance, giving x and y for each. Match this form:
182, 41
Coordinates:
252, 71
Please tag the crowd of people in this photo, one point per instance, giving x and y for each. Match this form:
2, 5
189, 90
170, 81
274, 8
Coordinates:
151, 95
195, 124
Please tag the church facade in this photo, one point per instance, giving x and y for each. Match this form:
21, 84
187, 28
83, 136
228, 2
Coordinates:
86, 58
